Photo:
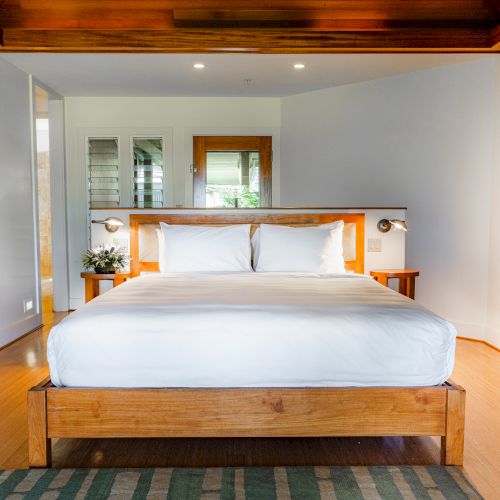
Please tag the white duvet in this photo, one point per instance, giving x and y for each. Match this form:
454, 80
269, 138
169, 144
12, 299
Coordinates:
251, 330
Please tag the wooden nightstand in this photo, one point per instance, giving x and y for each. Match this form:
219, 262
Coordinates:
406, 279
92, 282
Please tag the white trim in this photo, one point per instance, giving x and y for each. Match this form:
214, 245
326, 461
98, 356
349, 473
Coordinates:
60, 263
57, 188
492, 336
34, 194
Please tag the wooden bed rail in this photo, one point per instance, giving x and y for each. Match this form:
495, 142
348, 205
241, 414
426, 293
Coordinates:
261, 412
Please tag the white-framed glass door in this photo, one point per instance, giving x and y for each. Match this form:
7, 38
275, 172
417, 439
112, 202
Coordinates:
49, 200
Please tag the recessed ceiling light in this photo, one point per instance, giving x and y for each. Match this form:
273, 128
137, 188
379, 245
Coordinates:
299, 66
198, 66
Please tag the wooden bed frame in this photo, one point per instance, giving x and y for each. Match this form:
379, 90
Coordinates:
58, 412
244, 217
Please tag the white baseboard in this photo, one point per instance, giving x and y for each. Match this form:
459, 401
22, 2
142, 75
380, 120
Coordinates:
493, 337
483, 333
13, 331
471, 330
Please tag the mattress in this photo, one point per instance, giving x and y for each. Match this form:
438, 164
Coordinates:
251, 330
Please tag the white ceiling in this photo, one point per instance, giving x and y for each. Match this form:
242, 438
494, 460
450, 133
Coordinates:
224, 74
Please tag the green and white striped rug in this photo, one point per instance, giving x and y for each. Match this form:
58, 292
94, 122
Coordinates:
250, 483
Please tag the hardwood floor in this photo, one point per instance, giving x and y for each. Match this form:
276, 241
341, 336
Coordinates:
23, 364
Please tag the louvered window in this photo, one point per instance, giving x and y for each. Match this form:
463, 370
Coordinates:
148, 172
103, 166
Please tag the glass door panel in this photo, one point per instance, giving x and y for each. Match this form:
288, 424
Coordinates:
44, 198
232, 171
232, 179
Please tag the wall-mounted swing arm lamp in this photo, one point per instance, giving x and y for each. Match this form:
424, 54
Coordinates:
385, 225
112, 224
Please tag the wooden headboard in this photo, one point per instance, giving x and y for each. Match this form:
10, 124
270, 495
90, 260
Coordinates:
245, 217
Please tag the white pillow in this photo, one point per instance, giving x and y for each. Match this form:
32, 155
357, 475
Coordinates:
204, 248
256, 236
315, 249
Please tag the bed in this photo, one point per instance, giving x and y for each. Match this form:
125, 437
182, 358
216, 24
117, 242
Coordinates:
248, 354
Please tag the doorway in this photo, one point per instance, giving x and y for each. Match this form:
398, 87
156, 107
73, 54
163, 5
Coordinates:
44, 200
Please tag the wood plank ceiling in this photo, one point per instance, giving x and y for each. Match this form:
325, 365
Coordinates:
266, 26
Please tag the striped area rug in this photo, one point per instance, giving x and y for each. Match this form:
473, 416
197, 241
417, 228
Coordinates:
250, 483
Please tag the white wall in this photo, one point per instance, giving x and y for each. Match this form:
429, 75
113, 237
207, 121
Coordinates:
493, 321
428, 140
181, 118
17, 249
421, 140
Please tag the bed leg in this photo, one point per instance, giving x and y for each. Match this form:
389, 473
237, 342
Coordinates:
39, 446
452, 444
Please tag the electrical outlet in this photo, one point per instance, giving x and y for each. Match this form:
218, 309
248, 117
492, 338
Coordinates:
374, 244
28, 305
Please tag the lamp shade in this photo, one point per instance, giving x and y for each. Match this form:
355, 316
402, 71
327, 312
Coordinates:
385, 225
399, 224
112, 224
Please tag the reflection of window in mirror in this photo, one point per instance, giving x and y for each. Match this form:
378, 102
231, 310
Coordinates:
232, 171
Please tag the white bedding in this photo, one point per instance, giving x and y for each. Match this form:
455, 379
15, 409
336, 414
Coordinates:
251, 330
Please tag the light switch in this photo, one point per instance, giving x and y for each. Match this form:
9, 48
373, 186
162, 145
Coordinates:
374, 244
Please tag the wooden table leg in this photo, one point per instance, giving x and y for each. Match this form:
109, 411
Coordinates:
403, 286
406, 277
118, 280
411, 287
89, 289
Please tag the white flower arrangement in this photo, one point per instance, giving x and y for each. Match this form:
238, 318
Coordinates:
105, 259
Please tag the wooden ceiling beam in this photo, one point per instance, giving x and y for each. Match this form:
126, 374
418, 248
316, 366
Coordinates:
14, 16
241, 40
357, 25
230, 25
105, 18
90, 19
495, 38
357, 5
402, 12
48, 19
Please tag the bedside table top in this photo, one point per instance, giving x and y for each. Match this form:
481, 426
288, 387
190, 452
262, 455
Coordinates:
96, 276
395, 273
